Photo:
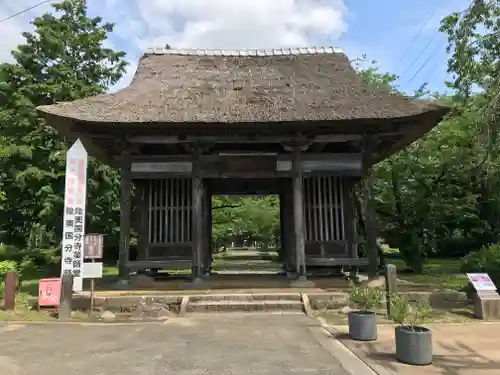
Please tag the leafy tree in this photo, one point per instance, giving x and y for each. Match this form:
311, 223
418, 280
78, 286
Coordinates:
238, 218
474, 44
434, 198
368, 71
62, 59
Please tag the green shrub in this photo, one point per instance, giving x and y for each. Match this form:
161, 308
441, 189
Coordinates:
484, 260
28, 267
7, 252
364, 297
6, 266
409, 314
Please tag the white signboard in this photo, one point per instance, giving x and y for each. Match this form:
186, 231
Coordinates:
75, 197
481, 281
92, 270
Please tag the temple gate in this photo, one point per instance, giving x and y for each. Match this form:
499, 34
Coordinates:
298, 123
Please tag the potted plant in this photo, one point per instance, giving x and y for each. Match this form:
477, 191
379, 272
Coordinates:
413, 341
363, 321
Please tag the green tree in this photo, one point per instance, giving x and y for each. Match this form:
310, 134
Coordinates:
432, 198
474, 44
435, 198
237, 218
62, 59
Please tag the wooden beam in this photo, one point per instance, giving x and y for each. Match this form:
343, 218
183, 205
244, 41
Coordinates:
125, 212
318, 147
344, 157
248, 166
146, 139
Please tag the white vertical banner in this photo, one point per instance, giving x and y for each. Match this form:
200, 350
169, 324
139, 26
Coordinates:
75, 197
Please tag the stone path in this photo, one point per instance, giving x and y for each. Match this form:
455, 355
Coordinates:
220, 344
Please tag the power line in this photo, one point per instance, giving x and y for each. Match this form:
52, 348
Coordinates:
24, 11
418, 56
429, 58
433, 12
431, 71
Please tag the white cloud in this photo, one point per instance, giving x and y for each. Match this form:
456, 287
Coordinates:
127, 77
231, 23
227, 23
10, 30
201, 24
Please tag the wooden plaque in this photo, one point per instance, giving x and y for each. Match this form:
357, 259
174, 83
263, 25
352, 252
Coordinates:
93, 246
251, 164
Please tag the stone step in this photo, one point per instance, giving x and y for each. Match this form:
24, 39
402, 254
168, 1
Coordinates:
248, 250
249, 272
244, 306
252, 313
246, 265
245, 297
248, 257
243, 270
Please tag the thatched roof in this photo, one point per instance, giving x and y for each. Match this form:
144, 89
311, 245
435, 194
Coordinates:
174, 86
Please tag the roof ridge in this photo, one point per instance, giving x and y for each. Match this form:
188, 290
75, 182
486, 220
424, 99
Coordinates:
242, 52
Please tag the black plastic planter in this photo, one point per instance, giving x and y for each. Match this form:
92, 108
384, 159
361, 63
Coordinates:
414, 347
362, 325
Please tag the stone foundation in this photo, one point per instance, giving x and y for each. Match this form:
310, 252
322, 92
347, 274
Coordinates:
487, 306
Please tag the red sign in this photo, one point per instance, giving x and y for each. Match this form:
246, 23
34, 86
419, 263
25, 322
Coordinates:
93, 246
49, 292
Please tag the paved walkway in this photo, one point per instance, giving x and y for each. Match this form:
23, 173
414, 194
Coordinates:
459, 349
222, 344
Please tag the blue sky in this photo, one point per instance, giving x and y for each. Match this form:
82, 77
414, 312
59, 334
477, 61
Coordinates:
383, 29
386, 29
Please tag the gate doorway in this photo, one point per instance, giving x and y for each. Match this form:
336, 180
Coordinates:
246, 226
246, 234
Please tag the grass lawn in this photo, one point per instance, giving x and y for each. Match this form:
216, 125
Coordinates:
28, 294
29, 283
438, 273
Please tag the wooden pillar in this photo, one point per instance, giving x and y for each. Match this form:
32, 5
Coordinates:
288, 227
350, 222
143, 213
10, 289
207, 233
298, 216
198, 227
283, 246
286, 221
125, 213
370, 225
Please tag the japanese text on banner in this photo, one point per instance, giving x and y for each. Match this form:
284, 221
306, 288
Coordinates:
74, 213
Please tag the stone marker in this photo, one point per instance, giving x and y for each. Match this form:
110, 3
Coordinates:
391, 284
65, 304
